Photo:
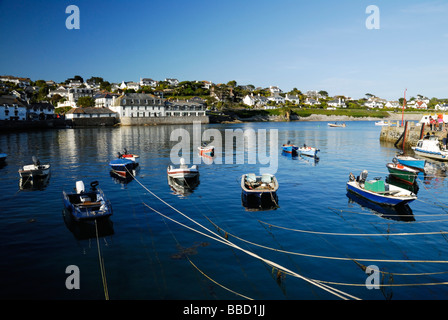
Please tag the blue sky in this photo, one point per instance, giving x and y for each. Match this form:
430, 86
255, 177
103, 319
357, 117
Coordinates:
309, 45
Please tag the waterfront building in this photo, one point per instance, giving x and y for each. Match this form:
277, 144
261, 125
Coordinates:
143, 105
89, 113
41, 110
12, 108
104, 99
185, 108
135, 105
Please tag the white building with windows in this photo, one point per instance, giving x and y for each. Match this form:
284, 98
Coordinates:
12, 108
136, 105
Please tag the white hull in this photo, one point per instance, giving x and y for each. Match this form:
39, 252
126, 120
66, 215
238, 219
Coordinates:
443, 156
34, 171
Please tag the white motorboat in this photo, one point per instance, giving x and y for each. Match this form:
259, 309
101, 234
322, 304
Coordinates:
35, 170
183, 171
431, 148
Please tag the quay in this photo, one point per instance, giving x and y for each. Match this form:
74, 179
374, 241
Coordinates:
407, 136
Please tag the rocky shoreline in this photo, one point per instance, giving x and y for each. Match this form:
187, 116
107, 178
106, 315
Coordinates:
314, 117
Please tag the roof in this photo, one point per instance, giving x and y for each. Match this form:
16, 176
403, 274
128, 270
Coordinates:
43, 104
89, 110
10, 100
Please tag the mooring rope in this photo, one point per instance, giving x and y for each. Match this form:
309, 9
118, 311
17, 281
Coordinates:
101, 262
354, 234
331, 257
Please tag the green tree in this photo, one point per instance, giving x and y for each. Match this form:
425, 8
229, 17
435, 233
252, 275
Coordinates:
85, 102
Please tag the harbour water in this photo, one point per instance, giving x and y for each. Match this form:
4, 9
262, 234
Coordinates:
317, 232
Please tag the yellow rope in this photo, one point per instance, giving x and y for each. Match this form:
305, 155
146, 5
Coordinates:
101, 261
234, 292
354, 234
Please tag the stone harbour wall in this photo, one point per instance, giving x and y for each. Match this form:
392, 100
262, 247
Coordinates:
413, 134
144, 121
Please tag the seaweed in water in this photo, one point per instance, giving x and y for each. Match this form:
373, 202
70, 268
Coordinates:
184, 252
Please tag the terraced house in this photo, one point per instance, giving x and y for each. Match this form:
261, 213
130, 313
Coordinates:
143, 105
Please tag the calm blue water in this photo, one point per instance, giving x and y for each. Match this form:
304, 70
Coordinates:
147, 256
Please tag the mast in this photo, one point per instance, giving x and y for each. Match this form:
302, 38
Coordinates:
402, 110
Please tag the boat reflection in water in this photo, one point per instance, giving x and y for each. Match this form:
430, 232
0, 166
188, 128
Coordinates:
290, 155
83, 230
37, 184
401, 212
183, 186
120, 179
309, 160
397, 182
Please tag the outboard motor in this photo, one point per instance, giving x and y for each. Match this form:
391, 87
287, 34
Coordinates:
36, 161
80, 187
93, 185
363, 176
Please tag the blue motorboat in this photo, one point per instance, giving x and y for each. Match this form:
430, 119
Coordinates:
87, 205
289, 148
411, 162
379, 191
122, 166
3, 157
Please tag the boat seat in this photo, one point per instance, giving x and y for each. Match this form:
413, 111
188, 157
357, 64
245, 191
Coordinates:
89, 204
266, 178
250, 177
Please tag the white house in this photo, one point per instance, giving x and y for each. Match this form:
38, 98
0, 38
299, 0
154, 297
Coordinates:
421, 105
293, 98
442, 107
147, 82
21, 82
252, 100
337, 103
311, 101
136, 105
392, 104
61, 90
12, 108
104, 100
275, 90
172, 82
276, 98
130, 85
41, 110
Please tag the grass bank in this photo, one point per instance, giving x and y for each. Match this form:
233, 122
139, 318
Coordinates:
303, 113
